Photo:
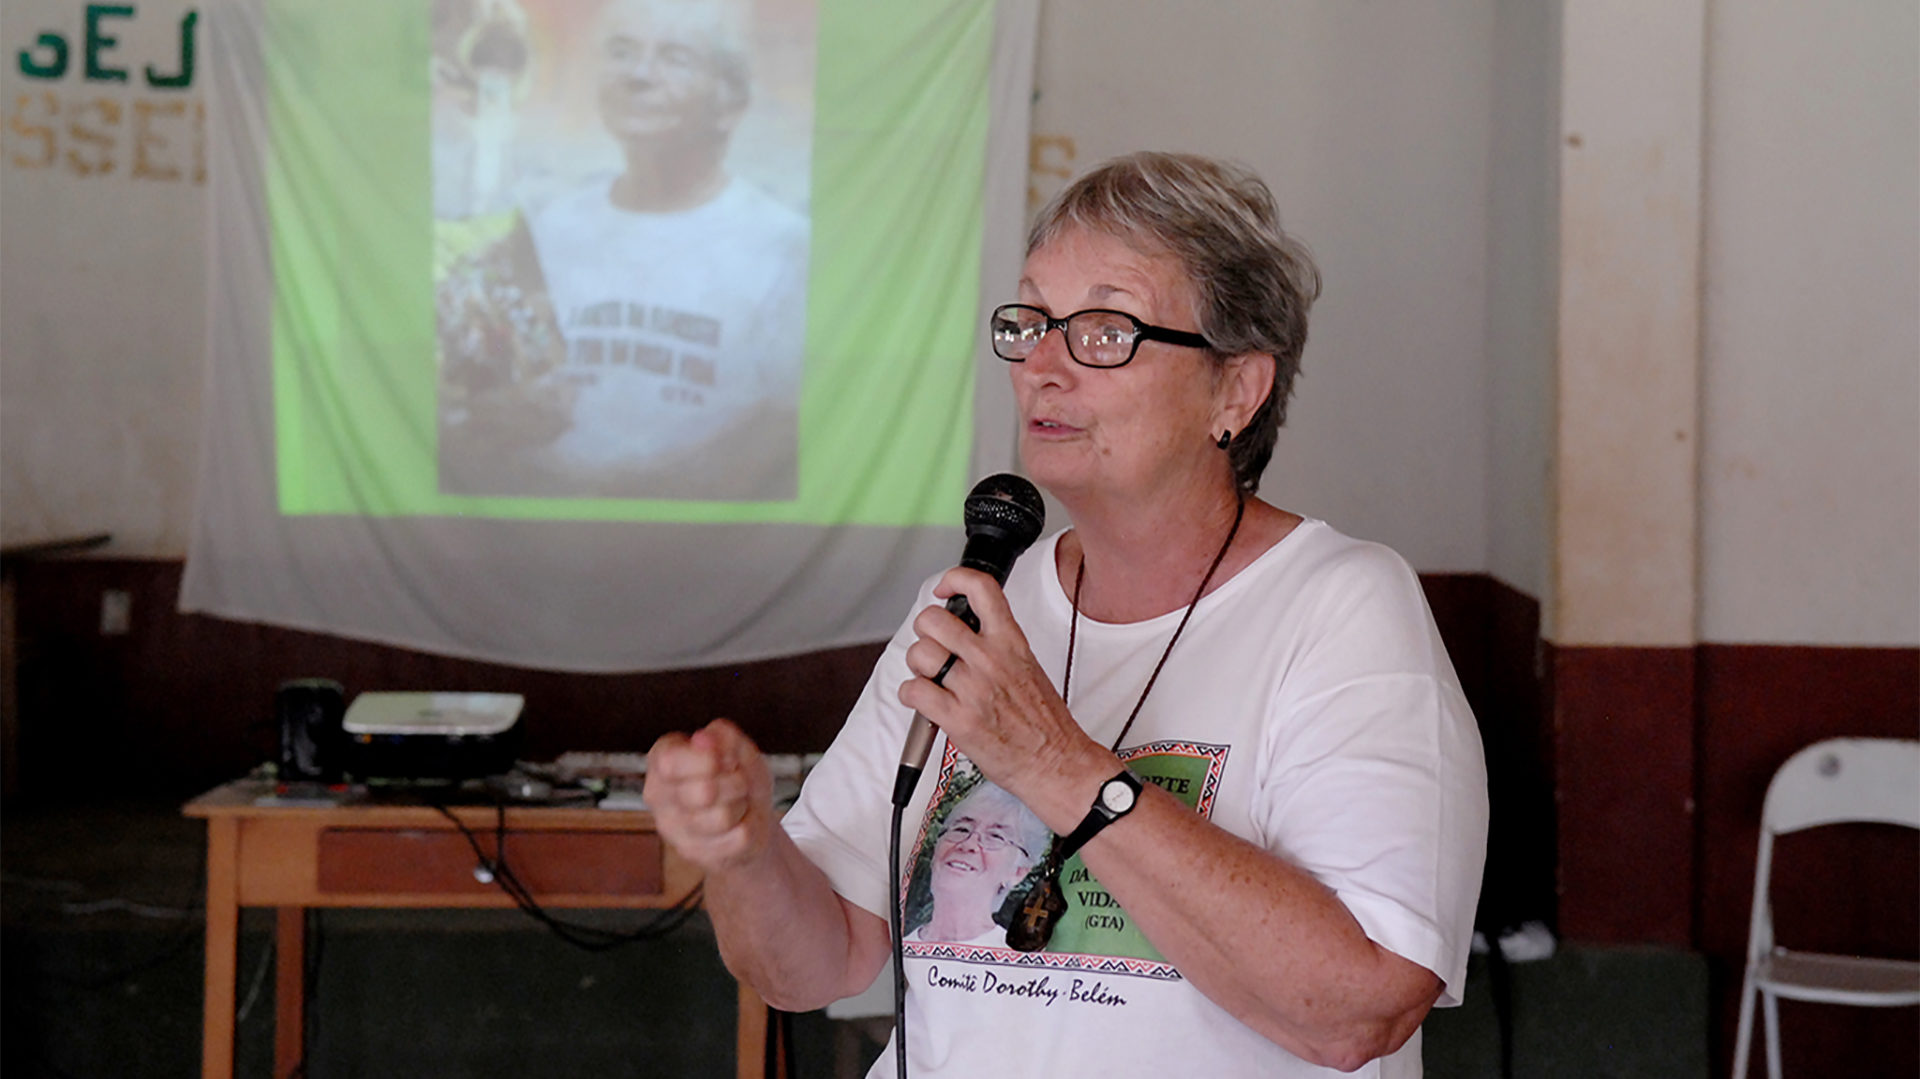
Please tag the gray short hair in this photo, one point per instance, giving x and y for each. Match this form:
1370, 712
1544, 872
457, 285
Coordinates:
1033, 835
1253, 283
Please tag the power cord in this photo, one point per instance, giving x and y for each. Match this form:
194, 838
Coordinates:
585, 937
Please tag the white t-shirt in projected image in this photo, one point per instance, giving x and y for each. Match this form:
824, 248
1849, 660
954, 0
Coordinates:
677, 325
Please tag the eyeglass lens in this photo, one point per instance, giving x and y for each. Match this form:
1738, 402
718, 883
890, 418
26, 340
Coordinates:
1094, 338
990, 839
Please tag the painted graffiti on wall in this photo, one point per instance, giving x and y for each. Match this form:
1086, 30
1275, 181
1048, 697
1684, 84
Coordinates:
112, 96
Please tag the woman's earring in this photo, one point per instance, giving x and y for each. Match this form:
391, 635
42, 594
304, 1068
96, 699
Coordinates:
1225, 437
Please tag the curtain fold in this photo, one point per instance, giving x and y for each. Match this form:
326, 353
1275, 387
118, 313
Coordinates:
388, 458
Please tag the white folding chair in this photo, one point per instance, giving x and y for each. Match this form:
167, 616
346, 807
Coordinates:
1837, 781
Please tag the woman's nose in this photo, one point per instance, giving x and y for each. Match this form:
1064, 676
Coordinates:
639, 66
1050, 359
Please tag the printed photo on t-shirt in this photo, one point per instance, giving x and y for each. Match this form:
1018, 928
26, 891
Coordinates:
980, 850
985, 845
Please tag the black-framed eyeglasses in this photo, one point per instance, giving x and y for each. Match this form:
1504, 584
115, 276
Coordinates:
1095, 338
987, 839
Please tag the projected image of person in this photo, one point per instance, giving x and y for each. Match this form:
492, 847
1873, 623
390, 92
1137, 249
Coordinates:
987, 844
678, 286
1241, 725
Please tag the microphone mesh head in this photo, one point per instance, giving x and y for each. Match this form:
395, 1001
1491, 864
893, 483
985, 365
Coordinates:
1006, 506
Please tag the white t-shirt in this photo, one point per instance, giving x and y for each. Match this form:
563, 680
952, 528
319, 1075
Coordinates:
994, 939
677, 325
1309, 707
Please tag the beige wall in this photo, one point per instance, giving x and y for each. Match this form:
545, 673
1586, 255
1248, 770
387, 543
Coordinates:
1625, 495
1372, 124
102, 284
1810, 492
1523, 289
1738, 399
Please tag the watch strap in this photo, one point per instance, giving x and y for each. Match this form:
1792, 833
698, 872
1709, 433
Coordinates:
1097, 818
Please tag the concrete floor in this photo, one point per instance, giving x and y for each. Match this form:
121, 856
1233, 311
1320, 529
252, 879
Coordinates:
101, 950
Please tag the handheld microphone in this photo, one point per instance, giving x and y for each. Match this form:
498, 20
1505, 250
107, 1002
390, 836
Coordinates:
1004, 515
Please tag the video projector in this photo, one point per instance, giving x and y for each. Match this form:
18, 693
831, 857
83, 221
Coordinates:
430, 737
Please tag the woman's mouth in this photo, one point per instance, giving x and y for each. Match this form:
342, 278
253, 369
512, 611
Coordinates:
1049, 428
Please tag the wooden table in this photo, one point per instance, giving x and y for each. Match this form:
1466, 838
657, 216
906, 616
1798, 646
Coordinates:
376, 854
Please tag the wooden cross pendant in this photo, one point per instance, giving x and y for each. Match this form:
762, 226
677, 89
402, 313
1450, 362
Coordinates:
1033, 926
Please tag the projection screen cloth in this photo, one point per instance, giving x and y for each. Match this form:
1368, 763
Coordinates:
463, 398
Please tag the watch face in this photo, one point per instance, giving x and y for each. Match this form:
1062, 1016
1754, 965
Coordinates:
1116, 796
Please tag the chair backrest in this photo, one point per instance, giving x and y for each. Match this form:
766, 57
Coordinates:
1846, 779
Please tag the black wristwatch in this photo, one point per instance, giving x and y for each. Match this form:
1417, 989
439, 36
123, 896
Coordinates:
1116, 799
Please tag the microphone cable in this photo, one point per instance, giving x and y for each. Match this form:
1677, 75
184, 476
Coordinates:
899, 946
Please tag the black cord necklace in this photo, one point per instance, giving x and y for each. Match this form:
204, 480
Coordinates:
1042, 903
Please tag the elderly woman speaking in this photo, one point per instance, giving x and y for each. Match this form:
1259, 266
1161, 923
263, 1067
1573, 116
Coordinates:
1266, 788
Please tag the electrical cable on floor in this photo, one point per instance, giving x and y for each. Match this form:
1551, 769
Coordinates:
585, 937
129, 906
316, 946
192, 931
259, 979
111, 904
